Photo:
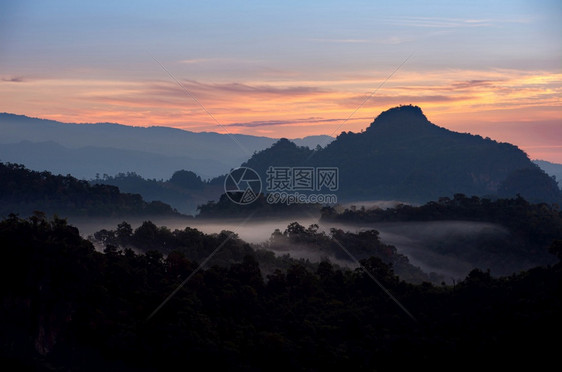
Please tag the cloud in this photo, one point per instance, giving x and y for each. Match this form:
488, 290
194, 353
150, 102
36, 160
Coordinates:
263, 89
472, 84
219, 60
197, 60
218, 89
267, 123
226, 101
378, 100
15, 79
452, 98
544, 147
438, 22
341, 41
448, 23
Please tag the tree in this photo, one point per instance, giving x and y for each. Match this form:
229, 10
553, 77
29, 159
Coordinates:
295, 230
248, 272
186, 179
124, 233
146, 236
556, 248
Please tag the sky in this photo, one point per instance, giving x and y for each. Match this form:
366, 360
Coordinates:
289, 68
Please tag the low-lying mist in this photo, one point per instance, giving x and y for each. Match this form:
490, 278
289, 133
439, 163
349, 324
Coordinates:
442, 247
251, 231
446, 248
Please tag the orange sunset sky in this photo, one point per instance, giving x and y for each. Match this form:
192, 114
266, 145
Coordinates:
289, 69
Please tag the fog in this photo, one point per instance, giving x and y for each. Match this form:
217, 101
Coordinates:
255, 230
412, 239
306, 253
370, 204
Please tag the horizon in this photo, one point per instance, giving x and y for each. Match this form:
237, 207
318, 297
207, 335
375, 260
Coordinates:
317, 68
262, 136
150, 126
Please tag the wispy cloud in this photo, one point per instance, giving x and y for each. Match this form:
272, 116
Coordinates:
262, 89
271, 107
198, 60
219, 60
340, 41
234, 88
476, 83
437, 22
269, 123
545, 147
445, 23
15, 79
388, 100
387, 40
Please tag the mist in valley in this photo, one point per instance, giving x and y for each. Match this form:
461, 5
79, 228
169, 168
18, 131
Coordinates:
437, 246
441, 247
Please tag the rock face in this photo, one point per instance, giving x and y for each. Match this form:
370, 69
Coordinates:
403, 156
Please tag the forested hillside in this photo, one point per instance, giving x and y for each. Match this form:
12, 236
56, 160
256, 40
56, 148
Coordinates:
530, 229
66, 306
403, 156
23, 191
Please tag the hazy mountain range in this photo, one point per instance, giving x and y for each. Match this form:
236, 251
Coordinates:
400, 156
552, 169
85, 150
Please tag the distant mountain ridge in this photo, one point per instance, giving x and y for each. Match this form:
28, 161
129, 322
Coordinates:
154, 152
403, 156
552, 169
89, 161
400, 156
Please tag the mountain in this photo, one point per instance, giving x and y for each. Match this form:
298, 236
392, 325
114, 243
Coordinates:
89, 161
154, 152
313, 141
514, 235
400, 156
403, 156
23, 191
551, 169
184, 191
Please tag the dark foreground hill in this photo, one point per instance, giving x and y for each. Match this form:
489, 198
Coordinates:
67, 307
403, 156
23, 191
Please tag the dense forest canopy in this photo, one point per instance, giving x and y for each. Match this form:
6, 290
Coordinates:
197, 246
152, 298
184, 190
531, 228
24, 191
67, 306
